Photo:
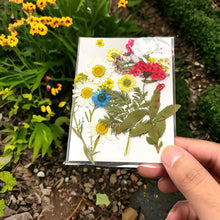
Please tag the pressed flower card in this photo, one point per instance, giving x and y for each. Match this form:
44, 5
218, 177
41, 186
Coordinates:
123, 101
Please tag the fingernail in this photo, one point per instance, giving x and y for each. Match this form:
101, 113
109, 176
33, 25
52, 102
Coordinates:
170, 214
170, 155
148, 165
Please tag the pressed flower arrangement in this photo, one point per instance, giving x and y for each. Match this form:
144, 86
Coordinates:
38, 47
111, 102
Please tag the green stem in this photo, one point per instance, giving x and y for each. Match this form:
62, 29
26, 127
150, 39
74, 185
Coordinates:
16, 50
126, 149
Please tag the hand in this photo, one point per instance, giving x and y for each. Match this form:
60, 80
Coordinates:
193, 167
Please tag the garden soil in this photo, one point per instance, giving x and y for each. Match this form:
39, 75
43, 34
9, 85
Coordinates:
47, 189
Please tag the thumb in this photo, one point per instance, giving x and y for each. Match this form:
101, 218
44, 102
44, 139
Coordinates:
194, 181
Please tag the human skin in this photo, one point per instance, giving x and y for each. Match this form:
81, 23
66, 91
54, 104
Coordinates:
192, 167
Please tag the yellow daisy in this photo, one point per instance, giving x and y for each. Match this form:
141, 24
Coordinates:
126, 83
112, 53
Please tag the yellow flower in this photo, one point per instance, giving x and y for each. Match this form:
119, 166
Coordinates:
68, 21
80, 77
55, 23
12, 41
15, 128
26, 125
43, 108
152, 60
28, 96
42, 29
41, 4
54, 91
98, 70
101, 128
5, 91
52, 2
108, 83
122, 3
112, 53
29, 7
126, 83
16, 1
100, 43
61, 104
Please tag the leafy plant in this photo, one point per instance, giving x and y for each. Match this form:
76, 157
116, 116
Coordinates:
209, 110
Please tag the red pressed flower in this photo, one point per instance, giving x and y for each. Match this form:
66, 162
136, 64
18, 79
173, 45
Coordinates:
135, 71
142, 66
161, 86
48, 87
47, 78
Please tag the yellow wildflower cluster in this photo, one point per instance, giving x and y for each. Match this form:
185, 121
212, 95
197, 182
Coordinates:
37, 24
55, 91
11, 40
106, 85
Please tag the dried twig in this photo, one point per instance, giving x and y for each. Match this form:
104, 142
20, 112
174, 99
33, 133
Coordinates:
76, 209
16, 168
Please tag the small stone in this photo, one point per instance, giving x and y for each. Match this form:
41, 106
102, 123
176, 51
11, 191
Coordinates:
113, 179
12, 202
36, 170
118, 172
92, 181
88, 185
139, 183
133, 178
115, 209
59, 183
85, 170
8, 212
41, 174
101, 180
36, 216
73, 179
124, 171
87, 190
66, 179
22, 216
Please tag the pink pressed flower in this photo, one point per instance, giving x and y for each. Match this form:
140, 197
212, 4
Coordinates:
161, 86
48, 87
47, 78
129, 45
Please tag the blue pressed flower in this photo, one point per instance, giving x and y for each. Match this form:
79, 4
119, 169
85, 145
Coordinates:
100, 98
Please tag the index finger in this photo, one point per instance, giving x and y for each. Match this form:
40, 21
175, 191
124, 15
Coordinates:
206, 152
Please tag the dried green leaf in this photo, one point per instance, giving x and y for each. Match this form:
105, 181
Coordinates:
167, 112
96, 142
141, 128
157, 131
131, 120
102, 199
154, 103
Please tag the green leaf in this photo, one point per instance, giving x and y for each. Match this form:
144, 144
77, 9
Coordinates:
9, 180
141, 128
131, 120
154, 103
62, 120
2, 207
40, 139
5, 159
157, 131
167, 112
38, 118
102, 199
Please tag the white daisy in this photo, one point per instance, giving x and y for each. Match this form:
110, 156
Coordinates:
99, 70
83, 93
99, 129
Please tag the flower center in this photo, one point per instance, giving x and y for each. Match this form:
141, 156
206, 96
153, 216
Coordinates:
127, 82
101, 128
101, 97
86, 93
98, 70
